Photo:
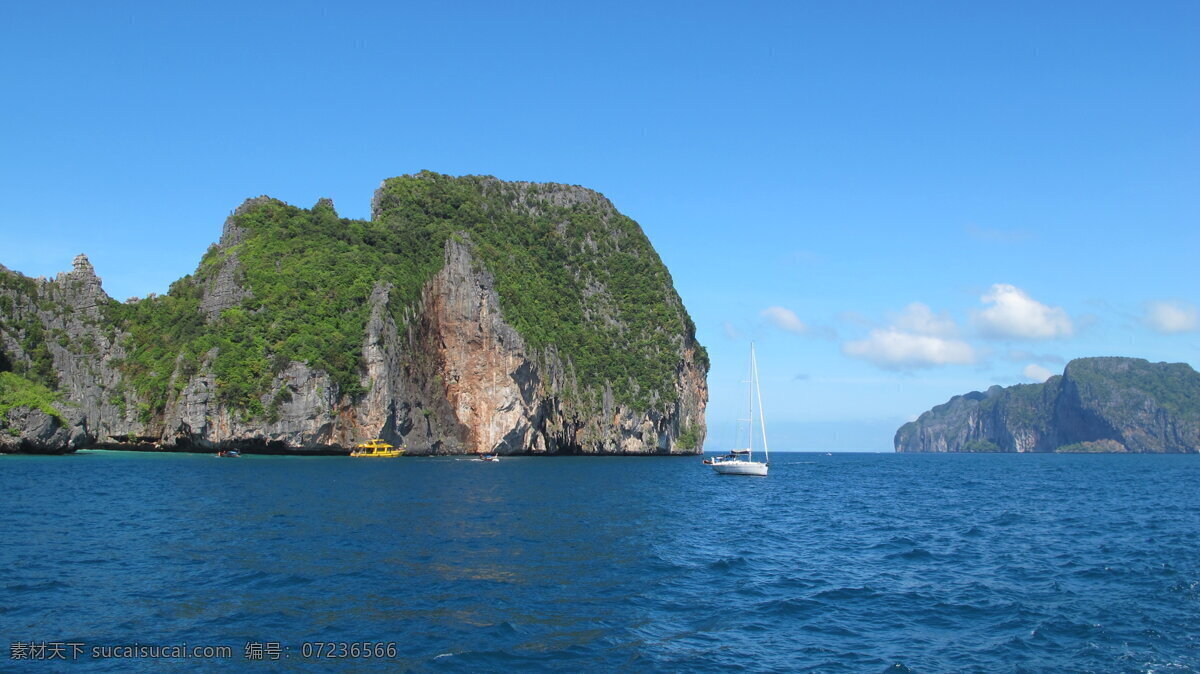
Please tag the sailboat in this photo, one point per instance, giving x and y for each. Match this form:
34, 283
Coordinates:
741, 461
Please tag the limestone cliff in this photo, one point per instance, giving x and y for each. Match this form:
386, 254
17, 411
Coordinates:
56, 332
1096, 405
468, 315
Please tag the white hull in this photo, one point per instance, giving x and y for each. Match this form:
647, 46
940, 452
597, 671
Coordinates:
741, 468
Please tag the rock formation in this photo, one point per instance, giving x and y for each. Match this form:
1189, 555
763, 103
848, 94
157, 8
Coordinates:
1096, 405
471, 337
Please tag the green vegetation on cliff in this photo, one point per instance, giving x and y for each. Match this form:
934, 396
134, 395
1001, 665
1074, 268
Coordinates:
167, 334
1173, 386
1095, 447
17, 391
545, 258
27, 330
571, 273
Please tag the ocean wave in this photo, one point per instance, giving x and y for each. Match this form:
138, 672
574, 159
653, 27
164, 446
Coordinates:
612, 566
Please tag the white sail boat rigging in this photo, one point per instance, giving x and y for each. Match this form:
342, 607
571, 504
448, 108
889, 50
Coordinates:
741, 461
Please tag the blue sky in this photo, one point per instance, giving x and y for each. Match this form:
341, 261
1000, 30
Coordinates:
899, 202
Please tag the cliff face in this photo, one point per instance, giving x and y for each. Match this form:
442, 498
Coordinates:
56, 332
304, 332
1096, 405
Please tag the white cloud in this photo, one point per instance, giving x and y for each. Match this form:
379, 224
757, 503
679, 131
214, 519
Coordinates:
785, 319
1036, 373
895, 349
731, 331
1015, 314
916, 338
1169, 317
918, 318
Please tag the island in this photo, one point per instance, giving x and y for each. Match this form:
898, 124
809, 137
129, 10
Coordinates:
1096, 405
468, 314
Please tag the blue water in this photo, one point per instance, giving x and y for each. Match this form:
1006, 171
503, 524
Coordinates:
856, 563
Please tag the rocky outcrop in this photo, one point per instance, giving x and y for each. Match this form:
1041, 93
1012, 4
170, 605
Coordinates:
32, 431
476, 377
446, 373
225, 285
1096, 405
58, 332
477, 386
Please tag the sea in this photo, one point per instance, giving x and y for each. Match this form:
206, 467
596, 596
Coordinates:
125, 561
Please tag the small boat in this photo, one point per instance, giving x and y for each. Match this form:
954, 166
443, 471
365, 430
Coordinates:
741, 461
376, 448
489, 457
229, 454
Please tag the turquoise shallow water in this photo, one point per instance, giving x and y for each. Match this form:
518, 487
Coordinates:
856, 563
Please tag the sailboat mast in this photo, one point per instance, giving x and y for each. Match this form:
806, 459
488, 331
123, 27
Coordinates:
762, 421
750, 408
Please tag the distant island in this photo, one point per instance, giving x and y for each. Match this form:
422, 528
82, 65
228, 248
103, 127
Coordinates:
1096, 405
469, 314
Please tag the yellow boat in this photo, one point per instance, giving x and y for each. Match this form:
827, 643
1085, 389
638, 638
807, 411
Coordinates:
378, 448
